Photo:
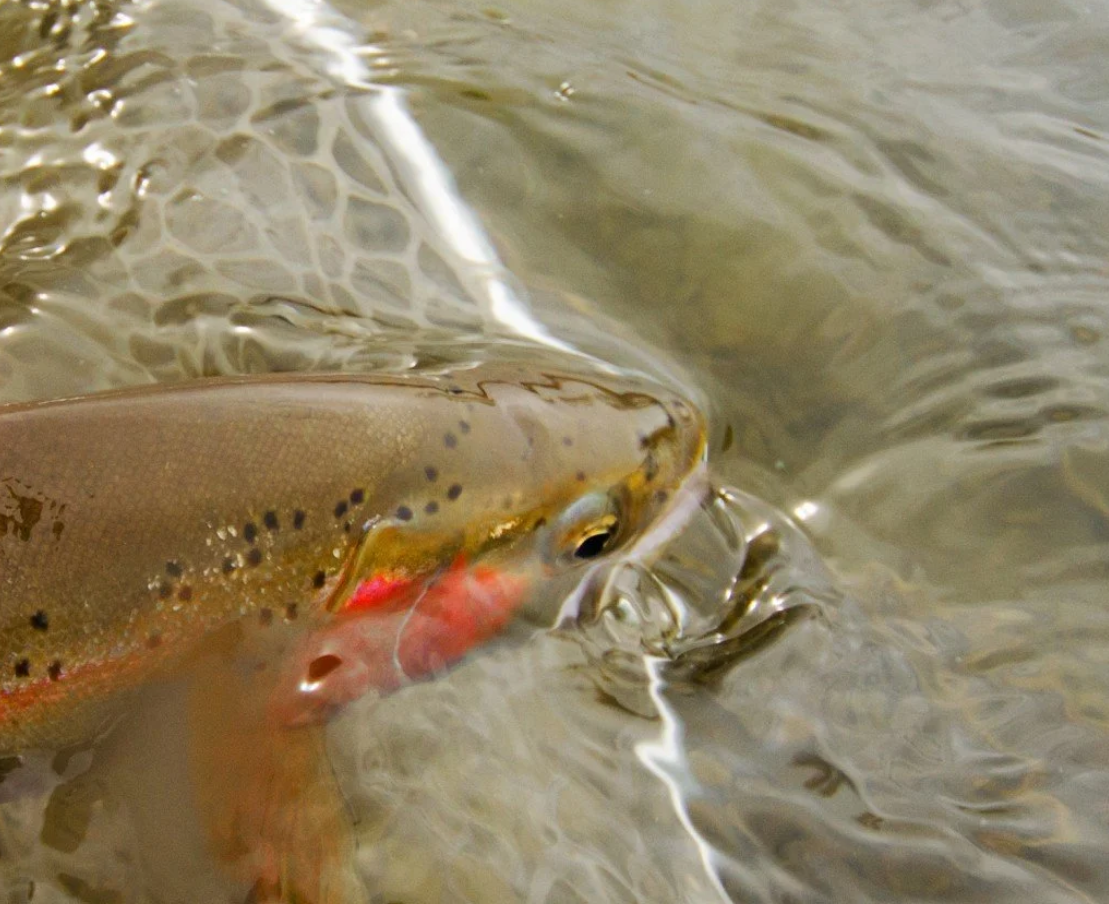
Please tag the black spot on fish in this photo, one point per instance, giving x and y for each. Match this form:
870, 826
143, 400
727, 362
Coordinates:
174, 570
265, 616
154, 640
318, 579
650, 466
185, 593
404, 513
250, 532
23, 668
298, 519
432, 507
729, 438
40, 621
164, 591
454, 492
580, 476
542, 522
464, 426
347, 527
254, 557
291, 612
455, 390
322, 666
567, 441
340, 509
229, 565
644, 440
661, 496
270, 520
357, 497
54, 670
431, 473
450, 440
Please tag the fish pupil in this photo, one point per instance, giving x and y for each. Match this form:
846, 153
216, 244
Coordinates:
593, 545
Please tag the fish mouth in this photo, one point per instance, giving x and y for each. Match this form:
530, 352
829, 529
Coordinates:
674, 514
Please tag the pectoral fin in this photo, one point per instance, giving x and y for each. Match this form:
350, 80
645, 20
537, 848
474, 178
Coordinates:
273, 809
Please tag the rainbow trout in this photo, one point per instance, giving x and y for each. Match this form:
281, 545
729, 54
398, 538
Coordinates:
382, 526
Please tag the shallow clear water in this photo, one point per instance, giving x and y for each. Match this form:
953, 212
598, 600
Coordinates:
871, 239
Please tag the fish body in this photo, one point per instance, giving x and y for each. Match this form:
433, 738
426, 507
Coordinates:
135, 524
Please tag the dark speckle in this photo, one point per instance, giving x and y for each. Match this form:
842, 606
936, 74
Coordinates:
404, 513
40, 621
567, 441
270, 520
450, 440
173, 569
464, 426
347, 527
650, 466
455, 491
291, 612
254, 557
228, 565
250, 532
298, 519
357, 497
581, 476
265, 616
542, 522
322, 666
23, 668
185, 593
644, 440
54, 670
164, 591
318, 579
340, 508
432, 507
455, 390
431, 473
661, 496
154, 640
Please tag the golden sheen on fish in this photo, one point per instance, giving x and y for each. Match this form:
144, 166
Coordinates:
134, 524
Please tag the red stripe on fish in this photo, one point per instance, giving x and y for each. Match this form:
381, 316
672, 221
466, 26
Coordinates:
379, 592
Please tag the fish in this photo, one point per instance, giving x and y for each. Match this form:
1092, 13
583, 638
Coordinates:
348, 532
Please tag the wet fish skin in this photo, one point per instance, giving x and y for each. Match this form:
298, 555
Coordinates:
134, 524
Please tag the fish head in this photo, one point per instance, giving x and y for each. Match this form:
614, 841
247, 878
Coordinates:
537, 473
526, 479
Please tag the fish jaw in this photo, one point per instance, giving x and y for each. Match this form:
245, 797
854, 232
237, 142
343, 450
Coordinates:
393, 630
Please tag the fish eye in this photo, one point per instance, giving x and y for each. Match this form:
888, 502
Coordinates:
587, 528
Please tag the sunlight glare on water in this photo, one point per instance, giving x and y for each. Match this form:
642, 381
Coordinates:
873, 238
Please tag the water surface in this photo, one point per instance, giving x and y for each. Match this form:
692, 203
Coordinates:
871, 239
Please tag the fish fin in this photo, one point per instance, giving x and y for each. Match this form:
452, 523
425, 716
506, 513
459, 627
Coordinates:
271, 804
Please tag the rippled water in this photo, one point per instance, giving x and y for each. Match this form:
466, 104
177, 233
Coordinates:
873, 236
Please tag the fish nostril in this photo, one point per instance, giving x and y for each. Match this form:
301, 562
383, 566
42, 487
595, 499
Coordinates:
322, 666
